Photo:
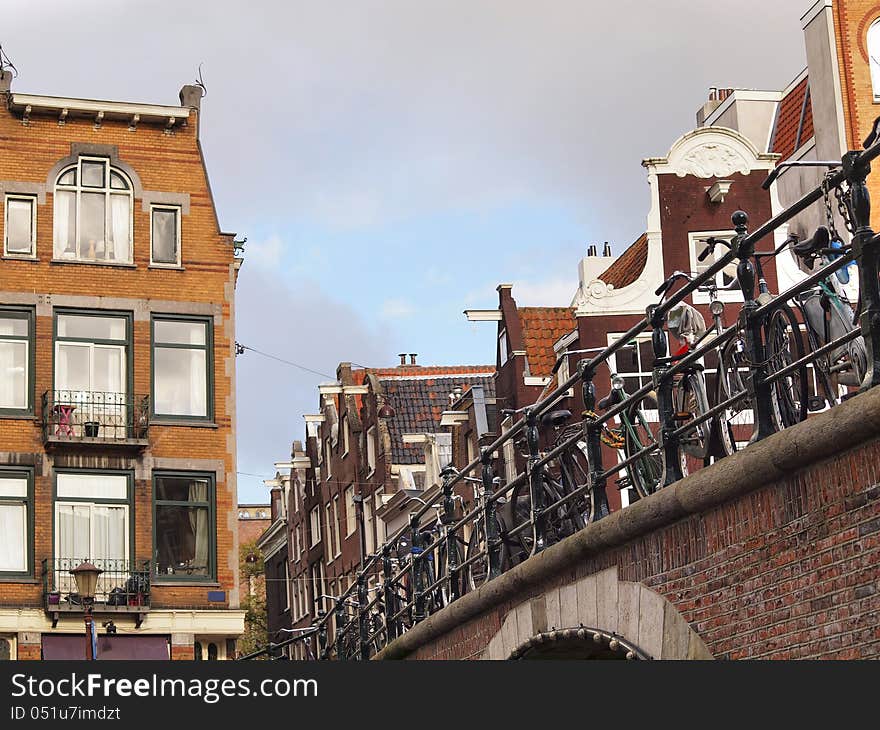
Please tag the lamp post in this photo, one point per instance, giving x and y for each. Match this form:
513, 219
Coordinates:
86, 577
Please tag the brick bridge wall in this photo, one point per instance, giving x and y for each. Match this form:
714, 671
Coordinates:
771, 553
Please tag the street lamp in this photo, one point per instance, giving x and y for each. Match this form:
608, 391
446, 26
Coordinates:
86, 577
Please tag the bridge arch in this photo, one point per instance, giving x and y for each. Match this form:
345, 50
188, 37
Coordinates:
597, 616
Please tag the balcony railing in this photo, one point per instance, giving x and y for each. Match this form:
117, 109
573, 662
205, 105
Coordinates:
123, 586
84, 417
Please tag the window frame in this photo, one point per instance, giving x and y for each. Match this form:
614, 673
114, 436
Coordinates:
32, 199
350, 511
178, 212
127, 502
29, 315
208, 321
372, 450
107, 190
127, 343
211, 478
18, 472
313, 523
873, 66
337, 525
694, 239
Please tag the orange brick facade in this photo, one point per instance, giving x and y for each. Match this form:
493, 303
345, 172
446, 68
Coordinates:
168, 163
852, 19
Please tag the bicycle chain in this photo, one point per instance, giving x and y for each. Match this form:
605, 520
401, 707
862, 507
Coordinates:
842, 209
610, 436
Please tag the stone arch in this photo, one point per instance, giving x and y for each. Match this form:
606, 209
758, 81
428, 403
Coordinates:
620, 616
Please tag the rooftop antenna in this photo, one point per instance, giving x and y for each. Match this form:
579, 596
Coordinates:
200, 82
6, 63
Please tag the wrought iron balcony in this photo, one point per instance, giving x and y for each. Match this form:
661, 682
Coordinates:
95, 418
123, 587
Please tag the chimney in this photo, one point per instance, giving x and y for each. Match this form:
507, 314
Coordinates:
191, 96
412, 358
5, 80
591, 251
606, 250
402, 357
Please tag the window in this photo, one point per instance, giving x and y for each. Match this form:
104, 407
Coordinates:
368, 525
181, 368
346, 434
328, 517
92, 520
328, 449
874, 57
16, 500
16, 361
725, 277
20, 226
337, 541
502, 347
350, 514
183, 526
91, 368
164, 236
315, 525
93, 213
371, 449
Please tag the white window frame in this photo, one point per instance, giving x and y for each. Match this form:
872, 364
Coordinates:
651, 415
696, 239
328, 516
350, 514
503, 349
337, 539
346, 435
315, 526
371, 450
328, 457
872, 43
32, 199
178, 215
78, 189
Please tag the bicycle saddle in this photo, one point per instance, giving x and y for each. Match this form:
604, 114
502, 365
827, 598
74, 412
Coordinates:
555, 418
820, 239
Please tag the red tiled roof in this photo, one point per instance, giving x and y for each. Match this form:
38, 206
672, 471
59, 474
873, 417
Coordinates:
785, 140
627, 267
419, 399
542, 327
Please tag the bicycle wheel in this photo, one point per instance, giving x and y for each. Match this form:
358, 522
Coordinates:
689, 397
735, 423
443, 561
576, 474
646, 473
785, 345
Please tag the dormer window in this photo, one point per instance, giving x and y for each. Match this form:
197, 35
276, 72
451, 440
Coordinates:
93, 213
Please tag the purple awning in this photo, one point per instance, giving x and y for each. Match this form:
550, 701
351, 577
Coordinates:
73, 646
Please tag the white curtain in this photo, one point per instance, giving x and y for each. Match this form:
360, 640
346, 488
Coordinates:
13, 374
120, 226
198, 387
13, 528
198, 522
108, 544
63, 207
72, 540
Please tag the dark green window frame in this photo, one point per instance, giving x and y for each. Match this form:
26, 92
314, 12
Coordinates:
26, 473
127, 342
211, 504
129, 500
28, 314
208, 321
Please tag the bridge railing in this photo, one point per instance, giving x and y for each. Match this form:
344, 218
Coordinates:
442, 554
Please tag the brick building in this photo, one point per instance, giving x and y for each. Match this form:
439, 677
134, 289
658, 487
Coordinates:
377, 442
117, 397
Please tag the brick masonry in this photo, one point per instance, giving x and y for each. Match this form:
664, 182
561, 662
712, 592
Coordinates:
172, 164
785, 571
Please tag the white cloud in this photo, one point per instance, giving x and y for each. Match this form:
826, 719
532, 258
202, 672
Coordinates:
396, 309
265, 254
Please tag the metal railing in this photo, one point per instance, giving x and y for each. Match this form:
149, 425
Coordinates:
123, 585
75, 415
425, 566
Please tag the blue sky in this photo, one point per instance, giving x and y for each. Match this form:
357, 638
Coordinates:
392, 161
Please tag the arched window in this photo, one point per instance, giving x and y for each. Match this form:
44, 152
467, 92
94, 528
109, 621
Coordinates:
93, 213
874, 57
197, 649
212, 651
